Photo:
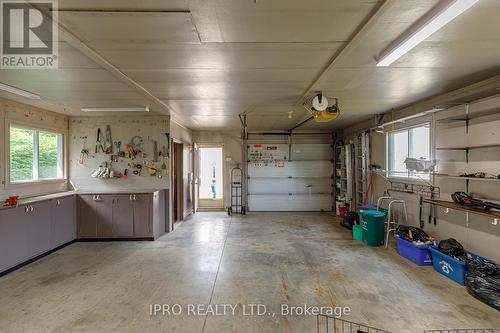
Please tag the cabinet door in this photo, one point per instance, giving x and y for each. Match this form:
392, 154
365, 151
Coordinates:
87, 219
64, 221
123, 217
13, 237
104, 212
143, 223
39, 228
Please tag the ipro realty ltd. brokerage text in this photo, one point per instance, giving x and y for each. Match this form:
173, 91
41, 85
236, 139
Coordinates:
251, 309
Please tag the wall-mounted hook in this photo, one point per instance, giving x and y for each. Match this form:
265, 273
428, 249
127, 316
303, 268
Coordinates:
495, 221
447, 210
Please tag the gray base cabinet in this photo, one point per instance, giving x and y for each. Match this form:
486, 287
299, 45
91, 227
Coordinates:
115, 216
87, 217
143, 221
123, 217
64, 221
104, 207
31, 230
39, 222
34, 229
13, 237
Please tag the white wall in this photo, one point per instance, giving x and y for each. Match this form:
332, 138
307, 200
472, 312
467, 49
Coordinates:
478, 234
123, 128
180, 132
11, 111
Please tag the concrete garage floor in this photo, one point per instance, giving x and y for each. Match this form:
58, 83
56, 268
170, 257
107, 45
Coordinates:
268, 258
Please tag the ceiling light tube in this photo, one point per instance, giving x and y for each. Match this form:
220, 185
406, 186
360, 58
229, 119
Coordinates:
115, 109
17, 91
423, 31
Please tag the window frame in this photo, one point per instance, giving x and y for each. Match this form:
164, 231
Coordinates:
408, 176
22, 125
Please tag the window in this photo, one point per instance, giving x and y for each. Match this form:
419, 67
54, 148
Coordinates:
35, 155
412, 142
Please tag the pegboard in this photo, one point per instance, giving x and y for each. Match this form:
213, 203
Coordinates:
83, 131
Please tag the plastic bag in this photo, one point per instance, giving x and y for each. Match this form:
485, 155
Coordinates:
350, 219
483, 281
453, 248
413, 234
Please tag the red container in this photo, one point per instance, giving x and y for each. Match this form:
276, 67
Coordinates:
342, 211
11, 201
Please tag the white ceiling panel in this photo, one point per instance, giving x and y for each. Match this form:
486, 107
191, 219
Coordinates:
211, 60
131, 27
61, 75
270, 21
69, 57
101, 97
173, 76
220, 56
473, 26
124, 4
216, 90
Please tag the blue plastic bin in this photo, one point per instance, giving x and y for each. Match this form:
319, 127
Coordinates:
448, 266
418, 254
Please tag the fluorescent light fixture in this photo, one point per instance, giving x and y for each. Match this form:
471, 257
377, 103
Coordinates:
17, 91
116, 109
436, 22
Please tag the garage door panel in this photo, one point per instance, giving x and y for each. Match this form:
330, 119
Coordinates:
311, 152
293, 169
284, 203
276, 183
293, 185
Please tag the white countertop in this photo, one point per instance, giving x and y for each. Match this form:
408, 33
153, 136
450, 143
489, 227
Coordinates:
120, 191
40, 198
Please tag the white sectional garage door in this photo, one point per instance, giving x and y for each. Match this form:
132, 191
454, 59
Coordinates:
290, 178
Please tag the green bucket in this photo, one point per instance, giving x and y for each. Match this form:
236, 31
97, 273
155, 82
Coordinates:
357, 232
373, 227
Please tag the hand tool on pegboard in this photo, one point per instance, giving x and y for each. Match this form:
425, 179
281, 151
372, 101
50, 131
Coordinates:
109, 141
99, 143
155, 151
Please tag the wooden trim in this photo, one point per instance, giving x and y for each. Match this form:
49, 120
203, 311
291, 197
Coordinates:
455, 206
178, 184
